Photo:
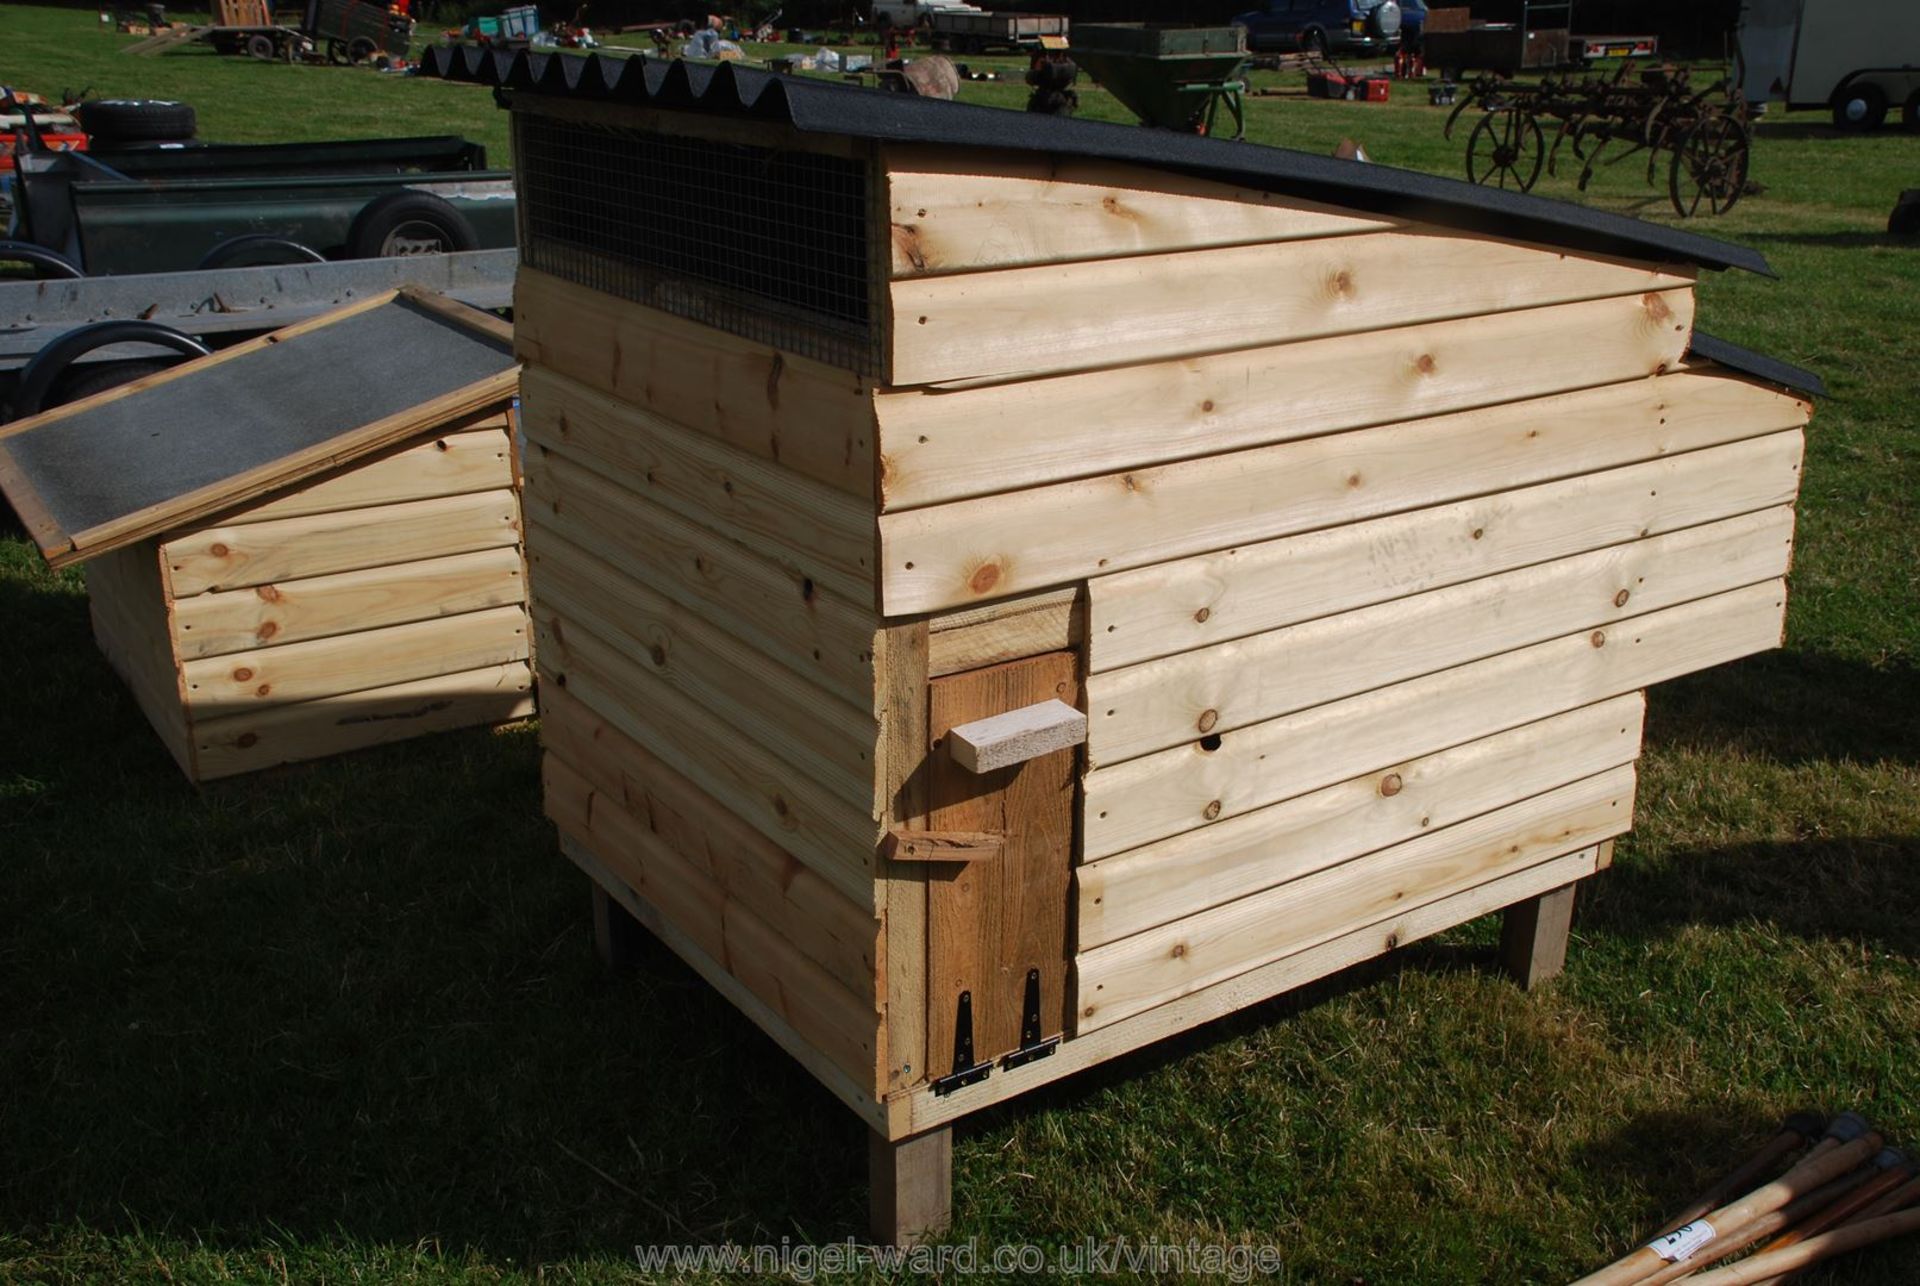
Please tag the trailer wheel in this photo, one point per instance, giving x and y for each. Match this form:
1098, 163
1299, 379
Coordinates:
337, 53
48, 367
1910, 113
361, 50
409, 223
1860, 106
261, 47
137, 120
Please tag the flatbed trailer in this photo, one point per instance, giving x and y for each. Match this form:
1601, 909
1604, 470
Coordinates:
979, 33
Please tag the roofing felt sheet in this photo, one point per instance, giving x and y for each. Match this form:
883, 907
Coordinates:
222, 417
1758, 365
826, 107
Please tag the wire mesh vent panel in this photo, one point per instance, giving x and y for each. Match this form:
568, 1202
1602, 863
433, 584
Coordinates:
763, 243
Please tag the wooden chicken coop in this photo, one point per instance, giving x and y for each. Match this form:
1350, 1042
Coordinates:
1010, 589
304, 544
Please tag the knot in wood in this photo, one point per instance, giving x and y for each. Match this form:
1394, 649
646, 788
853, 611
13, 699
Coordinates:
1391, 785
1599, 638
1212, 810
1208, 720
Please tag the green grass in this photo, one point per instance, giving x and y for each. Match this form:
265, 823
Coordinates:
341, 1022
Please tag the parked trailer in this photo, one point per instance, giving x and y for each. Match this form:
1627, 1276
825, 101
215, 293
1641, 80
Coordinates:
978, 33
1855, 58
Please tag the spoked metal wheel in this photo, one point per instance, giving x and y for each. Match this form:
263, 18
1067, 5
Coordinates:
1506, 149
1709, 166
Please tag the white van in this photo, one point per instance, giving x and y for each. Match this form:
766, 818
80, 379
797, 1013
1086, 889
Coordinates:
1856, 58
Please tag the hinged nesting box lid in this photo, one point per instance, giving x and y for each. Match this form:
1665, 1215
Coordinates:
199, 438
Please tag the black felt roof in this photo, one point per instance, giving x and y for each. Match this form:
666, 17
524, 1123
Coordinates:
1759, 365
185, 444
828, 107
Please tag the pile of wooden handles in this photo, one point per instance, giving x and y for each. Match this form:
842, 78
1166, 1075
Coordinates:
1849, 1190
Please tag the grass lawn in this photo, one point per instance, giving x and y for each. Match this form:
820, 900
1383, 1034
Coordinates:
342, 1022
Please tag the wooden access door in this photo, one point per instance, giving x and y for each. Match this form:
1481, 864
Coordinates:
990, 922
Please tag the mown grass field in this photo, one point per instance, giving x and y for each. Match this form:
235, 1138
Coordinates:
342, 1022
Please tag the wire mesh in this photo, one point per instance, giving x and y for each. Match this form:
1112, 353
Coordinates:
767, 244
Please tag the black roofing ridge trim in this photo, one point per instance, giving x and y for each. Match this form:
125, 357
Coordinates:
825, 107
1758, 365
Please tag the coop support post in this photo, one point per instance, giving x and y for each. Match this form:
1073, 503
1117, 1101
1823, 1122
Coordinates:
912, 1186
1533, 936
616, 934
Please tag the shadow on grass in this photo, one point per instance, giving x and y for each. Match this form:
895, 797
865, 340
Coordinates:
1793, 707
1836, 240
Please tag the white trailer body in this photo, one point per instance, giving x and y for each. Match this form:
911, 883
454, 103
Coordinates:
1858, 58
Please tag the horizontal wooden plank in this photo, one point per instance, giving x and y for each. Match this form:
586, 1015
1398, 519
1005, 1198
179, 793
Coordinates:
776, 886
826, 534
259, 553
1053, 621
1015, 736
219, 686
1148, 969
811, 418
474, 455
1189, 873
234, 620
1217, 689
973, 550
964, 211
1020, 322
946, 444
740, 691
1194, 602
356, 720
762, 602
925, 1110
827, 1016
831, 836
1189, 787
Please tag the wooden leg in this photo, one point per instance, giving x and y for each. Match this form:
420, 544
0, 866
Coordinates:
912, 1180
616, 934
1533, 936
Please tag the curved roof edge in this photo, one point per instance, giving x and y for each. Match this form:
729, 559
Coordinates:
825, 107
1795, 379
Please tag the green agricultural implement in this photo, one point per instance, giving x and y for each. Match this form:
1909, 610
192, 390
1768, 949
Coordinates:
1176, 78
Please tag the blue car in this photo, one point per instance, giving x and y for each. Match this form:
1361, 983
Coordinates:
1323, 26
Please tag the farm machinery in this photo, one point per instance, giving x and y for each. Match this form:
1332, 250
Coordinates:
1701, 135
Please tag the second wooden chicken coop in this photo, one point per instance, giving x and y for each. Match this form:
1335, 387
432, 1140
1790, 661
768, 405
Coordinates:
1011, 589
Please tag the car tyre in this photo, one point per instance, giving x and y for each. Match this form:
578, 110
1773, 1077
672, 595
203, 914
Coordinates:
1859, 107
137, 120
408, 223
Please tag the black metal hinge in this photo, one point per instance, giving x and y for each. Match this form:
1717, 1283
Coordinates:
965, 1071
1032, 1045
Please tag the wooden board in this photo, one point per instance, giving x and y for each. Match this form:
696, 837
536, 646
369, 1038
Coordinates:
836, 1022
1021, 322
955, 211
923, 1110
901, 702
824, 533
855, 1094
737, 689
782, 890
1185, 788
949, 443
974, 550
809, 821
1053, 621
129, 608
333, 725
1217, 689
1148, 969
220, 686
808, 417
261, 553
1182, 876
989, 923
756, 599
234, 620
475, 455
1175, 607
